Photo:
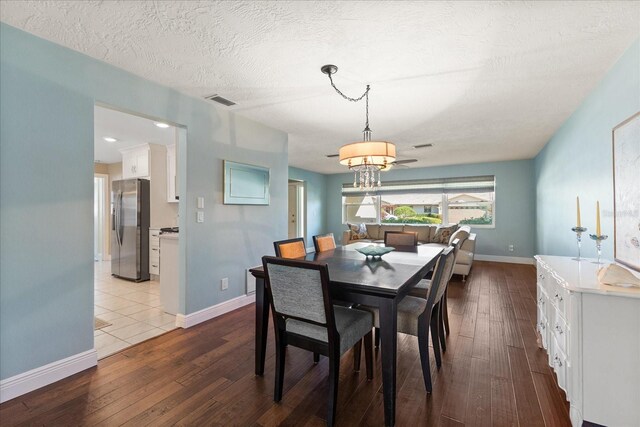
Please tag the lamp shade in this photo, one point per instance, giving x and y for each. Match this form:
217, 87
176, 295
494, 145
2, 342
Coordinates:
374, 153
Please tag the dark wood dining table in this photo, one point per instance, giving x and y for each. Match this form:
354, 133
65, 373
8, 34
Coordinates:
358, 279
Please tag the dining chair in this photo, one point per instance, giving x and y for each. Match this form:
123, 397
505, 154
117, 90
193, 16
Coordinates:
304, 316
421, 290
290, 248
417, 315
400, 238
324, 242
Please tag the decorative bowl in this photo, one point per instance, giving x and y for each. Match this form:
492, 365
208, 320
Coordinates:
375, 251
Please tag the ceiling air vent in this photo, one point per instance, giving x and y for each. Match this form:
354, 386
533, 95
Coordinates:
332, 155
423, 146
220, 100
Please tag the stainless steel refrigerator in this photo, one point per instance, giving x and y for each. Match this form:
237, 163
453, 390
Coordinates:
130, 229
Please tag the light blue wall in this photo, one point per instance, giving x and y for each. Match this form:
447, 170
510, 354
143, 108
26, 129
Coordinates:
47, 95
316, 187
515, 204
577, 161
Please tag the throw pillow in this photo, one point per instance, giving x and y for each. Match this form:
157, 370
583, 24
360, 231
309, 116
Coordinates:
443, 234
358, 231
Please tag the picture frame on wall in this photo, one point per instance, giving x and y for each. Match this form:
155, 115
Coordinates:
245, 184
626, 192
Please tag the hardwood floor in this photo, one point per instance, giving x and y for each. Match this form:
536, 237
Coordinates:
493, 374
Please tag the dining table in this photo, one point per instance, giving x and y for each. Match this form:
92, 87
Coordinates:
353, 277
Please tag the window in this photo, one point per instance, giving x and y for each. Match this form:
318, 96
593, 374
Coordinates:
470, 208
468, 200
411, 208
358, 209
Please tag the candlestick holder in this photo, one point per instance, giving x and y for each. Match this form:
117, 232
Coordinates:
598, 239
578, 230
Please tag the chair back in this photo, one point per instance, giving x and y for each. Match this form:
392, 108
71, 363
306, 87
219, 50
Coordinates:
290, 248
441, 274
400, 238
299, 290
324, 242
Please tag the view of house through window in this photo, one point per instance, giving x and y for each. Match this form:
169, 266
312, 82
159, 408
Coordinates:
471, 208
447, 201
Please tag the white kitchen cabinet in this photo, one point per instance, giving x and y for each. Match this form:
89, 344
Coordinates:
154, 251
135, 161
169, 278
172, 174
592, 335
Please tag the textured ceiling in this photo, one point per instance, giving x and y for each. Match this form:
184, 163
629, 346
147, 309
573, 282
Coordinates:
482, 81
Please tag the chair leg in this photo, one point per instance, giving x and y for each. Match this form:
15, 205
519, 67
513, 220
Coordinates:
368, 354
334, 376
464, 278
280, 358
445, 311
423, 346
441, 335
377, 339
357, 351
316, 358
435, 333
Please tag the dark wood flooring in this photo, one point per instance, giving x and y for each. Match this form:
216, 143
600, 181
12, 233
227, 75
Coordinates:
493, 374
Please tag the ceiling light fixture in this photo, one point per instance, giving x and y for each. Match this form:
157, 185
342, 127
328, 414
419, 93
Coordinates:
161, 125
109, 139
366, 158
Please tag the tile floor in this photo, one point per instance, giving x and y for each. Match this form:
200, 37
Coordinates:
133, 309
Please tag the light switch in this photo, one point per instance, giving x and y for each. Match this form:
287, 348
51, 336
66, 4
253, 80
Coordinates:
200, 216
200, 202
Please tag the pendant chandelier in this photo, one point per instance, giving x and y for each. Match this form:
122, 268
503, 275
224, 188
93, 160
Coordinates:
366, 158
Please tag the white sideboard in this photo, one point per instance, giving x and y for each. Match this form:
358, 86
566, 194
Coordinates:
592, 336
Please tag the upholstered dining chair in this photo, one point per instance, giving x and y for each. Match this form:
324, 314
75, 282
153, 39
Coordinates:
421, 290
305, 317
290, 248
400, 238
324, 242
417, 315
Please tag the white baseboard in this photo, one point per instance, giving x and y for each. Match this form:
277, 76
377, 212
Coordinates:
509, 259
189, 320
20, 384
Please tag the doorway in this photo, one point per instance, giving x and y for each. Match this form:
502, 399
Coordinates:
139, 168
296, 210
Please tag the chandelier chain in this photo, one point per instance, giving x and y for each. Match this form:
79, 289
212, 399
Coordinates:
365, 95
366, 92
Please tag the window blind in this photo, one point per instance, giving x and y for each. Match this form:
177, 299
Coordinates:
473, 184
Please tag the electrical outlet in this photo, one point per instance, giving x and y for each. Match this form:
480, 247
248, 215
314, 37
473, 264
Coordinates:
510, 248
224, 284
200, 216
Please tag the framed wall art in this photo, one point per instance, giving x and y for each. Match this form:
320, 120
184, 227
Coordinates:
626, 192
245, 184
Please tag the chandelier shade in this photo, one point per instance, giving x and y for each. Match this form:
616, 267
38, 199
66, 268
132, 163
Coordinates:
370, 153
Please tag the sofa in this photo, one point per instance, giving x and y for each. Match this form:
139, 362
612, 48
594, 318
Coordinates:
426, 235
